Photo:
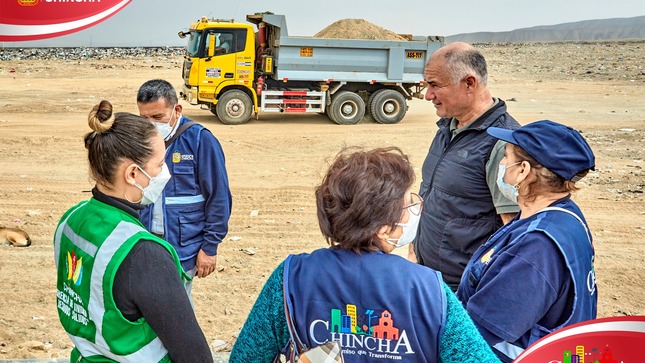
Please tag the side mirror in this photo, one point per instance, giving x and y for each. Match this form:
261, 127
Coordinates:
181, 34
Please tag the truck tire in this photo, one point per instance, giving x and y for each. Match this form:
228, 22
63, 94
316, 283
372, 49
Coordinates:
234, 108
368, 107
387, 106
347, 108
213, 109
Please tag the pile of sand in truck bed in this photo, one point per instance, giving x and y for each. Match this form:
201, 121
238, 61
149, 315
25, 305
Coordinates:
357, 29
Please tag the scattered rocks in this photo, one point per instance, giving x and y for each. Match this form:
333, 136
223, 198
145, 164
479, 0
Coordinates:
36, 345
219, 345
82, 53
249, 251
572, 60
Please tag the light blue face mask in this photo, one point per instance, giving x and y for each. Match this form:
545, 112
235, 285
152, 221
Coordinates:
165, 129
509, 191
409, 231
155, 187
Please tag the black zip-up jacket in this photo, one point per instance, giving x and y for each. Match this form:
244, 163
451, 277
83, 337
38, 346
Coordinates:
459, 214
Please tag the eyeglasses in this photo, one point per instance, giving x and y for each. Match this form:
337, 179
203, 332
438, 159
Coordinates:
416, 206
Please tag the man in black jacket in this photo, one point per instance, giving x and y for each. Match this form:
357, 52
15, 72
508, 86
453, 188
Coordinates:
463, 203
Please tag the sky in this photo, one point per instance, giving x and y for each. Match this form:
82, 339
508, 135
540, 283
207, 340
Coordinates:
140, 24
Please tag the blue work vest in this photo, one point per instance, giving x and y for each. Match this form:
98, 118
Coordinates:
459, 214
182, 199
564, 225
379, 307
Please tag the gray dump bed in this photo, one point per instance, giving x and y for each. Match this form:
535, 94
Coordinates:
347, 60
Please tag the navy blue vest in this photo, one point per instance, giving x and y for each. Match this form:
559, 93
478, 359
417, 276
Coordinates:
378, 306
184, 219
459, 214
565, 226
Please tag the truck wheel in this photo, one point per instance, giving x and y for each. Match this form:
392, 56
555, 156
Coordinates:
347, 108
234, 108
368, 107
213, 109
387, 106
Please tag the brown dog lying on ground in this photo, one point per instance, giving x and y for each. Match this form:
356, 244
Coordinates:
15, 237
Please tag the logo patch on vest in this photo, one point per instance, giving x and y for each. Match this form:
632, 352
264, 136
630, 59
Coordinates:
68, 301
177, 157
371, 334
486, 257
74, 268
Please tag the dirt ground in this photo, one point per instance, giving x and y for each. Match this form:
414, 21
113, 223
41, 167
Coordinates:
275, 162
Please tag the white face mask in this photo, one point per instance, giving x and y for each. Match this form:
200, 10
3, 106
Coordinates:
164, 128
154, 189
409, 231
509, 191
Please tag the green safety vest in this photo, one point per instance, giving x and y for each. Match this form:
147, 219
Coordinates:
91, 241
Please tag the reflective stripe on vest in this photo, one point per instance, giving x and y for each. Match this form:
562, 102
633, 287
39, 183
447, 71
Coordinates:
153, 351
79, 241
508, 349
184, 200
59, 232
145, 354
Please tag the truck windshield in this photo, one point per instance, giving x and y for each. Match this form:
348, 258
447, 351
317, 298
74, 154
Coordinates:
193, 43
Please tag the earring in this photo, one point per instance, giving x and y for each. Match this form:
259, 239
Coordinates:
125, 195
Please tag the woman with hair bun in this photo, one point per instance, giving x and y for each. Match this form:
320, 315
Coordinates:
120, 290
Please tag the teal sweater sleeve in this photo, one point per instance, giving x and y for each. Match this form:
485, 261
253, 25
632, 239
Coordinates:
461, 341
265, 331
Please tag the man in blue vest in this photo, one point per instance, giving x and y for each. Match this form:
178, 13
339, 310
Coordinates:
464, 205
193, 213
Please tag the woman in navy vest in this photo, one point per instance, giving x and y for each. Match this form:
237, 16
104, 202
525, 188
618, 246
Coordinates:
378, 306
538, 269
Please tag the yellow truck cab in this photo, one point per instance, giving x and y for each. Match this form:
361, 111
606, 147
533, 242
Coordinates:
220, 57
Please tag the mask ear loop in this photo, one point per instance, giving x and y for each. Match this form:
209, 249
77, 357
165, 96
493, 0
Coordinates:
144, 172
125, 195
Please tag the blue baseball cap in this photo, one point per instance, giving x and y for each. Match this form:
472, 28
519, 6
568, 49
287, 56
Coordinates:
557, 147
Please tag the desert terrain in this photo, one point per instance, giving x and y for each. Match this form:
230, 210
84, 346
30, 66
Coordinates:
275, 162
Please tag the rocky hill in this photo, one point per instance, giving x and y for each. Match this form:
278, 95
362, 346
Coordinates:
588, 30
602, 29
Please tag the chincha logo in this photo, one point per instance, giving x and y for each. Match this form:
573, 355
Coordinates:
374, 335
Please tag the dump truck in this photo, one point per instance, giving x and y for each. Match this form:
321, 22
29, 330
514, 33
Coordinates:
236, 70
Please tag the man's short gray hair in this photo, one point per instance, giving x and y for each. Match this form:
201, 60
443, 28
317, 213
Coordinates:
461, 63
